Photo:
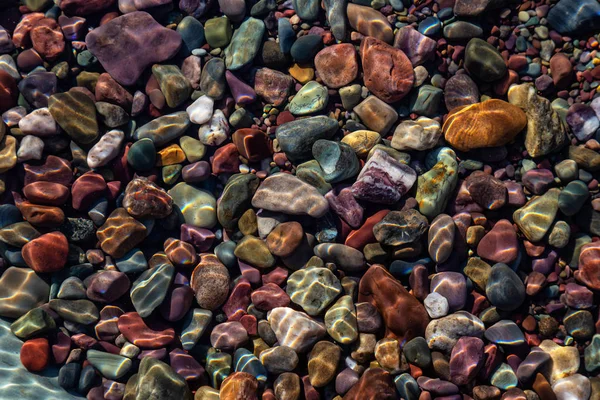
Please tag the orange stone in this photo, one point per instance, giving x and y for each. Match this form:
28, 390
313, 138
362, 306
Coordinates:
253, 144
47, 253
35, 354
47, 193
148, 335
120, 233
285, 238
47, 38
170, 155
491, 123
37, 215
239, 385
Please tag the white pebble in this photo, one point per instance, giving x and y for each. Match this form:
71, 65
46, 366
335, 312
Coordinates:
201, 110
216, 131
39, 123
436, 305
574, 387
31, 148
106, 149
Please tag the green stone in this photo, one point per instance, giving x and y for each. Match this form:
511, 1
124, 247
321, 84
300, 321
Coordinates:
245, 44
111, 115
312, 173
311, 98
313, 289
435, 187
88, 80
170, 173
255, 252
173, 84
535, 218
194, 325
426, 100
504, 377
337, 160
218, 366
573, 197
142, 155
478, 271
567, 170
236, 198
193, 148
340, 321
192, 35
156, 380
484, 61
241, 118
218, 32
111, 366
79, 311
164, 129
296, 138
75, 112
402, 157
197, 206
37, 5
36, 322
150, 289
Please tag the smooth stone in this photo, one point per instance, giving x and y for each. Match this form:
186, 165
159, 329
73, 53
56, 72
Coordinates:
197, 206
194, 325
341, 321
504, 377
39, 123
120, 233
218, 366
337, 160
500, 244
451, 285
310, 99
75, 112
337, 65
133, 261
322, 365
36, 88
537, 360
19, 234
214, 132
285, 238
119, 39
588, 266
474, 8
421, 134
483, 125
36, 322
143, 199
297, 138
288, 194
279, 359
212, 79
591, 354
192, 34
68, 375
400, 227
239, 385
201, 110
150, 289
228, 336
307, 10
235, 199
466, 360
505, 332
565, 360
313, 289
436, 305
80, 311
535, 224
173, 84
436, 185
376, 114
218, 32
388, 71
295, 329
484, 61
335, 11
369, 22
442, 334
245, 361
273, 86
573, 387
46, 253
417, 47
111, 366
585, 158
164, 129
407, 387
460, 90
362, 141
462, 30
21, 290
375, 383
504, 288
30, 148
345, 257
441, 238
158, 380
106, 149
583, 121
148, 335
245, 44
255, 252
35, 354
573, 17
142, 155
404, 316
573, 197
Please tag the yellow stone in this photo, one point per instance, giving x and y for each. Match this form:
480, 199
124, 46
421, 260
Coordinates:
302, 74
170, 155
8, 153
362, 141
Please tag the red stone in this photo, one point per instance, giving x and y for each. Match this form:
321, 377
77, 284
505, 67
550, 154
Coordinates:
107, 286
589, 266
47, 38
337, 65
21, 35
35, 354
109, 90
374, 384
8, 91
181, 254
500, 245
562, 71
87, 188
47, 253
269, 296
55, 169
47, 193
61, 347
239, 385
148, 335
84, 7
226, 160
252, 144
37, 215
362, 236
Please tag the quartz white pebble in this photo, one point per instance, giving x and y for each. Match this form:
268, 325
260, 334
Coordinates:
106, 149
436, 305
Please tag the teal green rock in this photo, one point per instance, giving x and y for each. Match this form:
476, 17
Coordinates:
483, 61
535, 218
573, 197
218, 32
241, 118
426, 101
110, 366
236, 198
142, 155
574, 249
313, 289
192, 35
34, 323
337, 160
170, 173
435, 187
173, 84
194, 325
579, 324
156, 380
132, 262
245, 44
37, 5
199, 207
245, 361
311, 98
80, 311
504, 377
592, 355
312, 173
407, 387
296, 138
150, 289
218, 366
164, 129
307, 10
340, 321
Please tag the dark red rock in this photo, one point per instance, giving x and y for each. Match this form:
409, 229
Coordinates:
562, 71
149, 334
180, 253
252, 144
374, 384
84, 7
54, 169
226, 160
86, 189
107, 286
46, 193
35, 354
47, 253
269, 296
500, 244
109, 90
8, 91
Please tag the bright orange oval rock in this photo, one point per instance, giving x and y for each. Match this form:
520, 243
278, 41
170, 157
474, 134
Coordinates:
48, 193
35, 354
488, 124
48, 253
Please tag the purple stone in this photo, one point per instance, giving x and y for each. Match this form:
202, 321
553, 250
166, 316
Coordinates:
486, 190
177, 303
578, 296
460, 90
159, 354
437, 386
202, 239
516, 196
195, 8
344, 204
128, 44
451, 285
535, 361
143, 4
466, 360
538, 181
545, 265
72, 27
544, 83
241, 91
6, 43
345, 380
196, 172
417, 47
38, 87
383, 179
187, 366
583, 121
107, 286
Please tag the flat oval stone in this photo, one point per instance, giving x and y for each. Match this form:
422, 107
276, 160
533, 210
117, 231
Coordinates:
442, 334
484, 61
337, 65
322, 363
119, 39
369, 22
589, 266
466, 360
107, 286
21, 290
375, 383
273, 86
504, 288
255, 252
441, 238
460, 90
239, 385
345, 257
500, 244
285, 238
236, 198
79, 311
150, 289
451, 285
197, 206
306, 47
147, 335
376, 114
253, 144
573, 197
164, 129
35, 354
296, 138
417, 47
47, 253
210, 281
311, 98
155, 378
106, 149
485, 124
279, 359
34, 323
75, 112
313, 289
295, 329
565, 360
421, 134
120, 233
572, 387
535, 225
388, 72
228, 336
288, 194
18, 234
111, 366
505, 332
244, 44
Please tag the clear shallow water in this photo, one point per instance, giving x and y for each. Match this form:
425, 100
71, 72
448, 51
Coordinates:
16, 383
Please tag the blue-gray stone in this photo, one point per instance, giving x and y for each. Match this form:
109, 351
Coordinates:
504, 288
335, 10
286, 35
505, 332
150, 289
296, 138
305, 48
245, 361
426, 100
575, 16
407, 387
132, 262
245, 44
337, 160
573, 197
192, 35
307, 10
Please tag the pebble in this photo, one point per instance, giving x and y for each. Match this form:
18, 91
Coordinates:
313, 289
295, 329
